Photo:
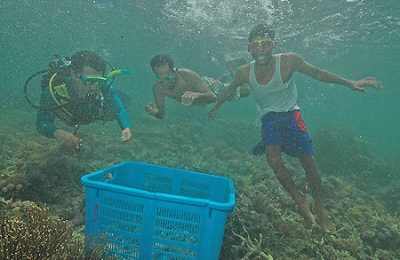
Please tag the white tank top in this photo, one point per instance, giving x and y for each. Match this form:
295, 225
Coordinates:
275, 96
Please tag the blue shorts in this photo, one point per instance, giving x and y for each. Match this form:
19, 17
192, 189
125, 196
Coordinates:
287, 130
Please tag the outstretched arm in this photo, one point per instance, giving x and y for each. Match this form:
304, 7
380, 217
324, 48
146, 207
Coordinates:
123, 119
200, 94
228, 92
156, 109
297, 63
46, 126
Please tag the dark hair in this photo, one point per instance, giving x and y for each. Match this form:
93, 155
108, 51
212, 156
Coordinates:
87, 58
160, 60
262, 30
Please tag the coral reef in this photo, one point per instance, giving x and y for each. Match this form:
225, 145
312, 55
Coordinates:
253, 247
32, 233
340, 152
264, 224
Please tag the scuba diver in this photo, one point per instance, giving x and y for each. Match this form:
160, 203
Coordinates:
77, 91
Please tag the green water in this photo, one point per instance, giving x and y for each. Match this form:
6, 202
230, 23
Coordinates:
352, 38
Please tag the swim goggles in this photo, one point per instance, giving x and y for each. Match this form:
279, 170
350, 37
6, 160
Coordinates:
169, 77
265, 43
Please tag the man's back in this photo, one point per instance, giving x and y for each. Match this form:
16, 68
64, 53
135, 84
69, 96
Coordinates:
185, 80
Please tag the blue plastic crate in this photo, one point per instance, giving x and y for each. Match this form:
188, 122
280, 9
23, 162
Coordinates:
145, 211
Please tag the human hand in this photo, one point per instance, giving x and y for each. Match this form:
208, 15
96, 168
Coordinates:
366, 82
212, 113
189, 97
151, 109
67, 139
126, 135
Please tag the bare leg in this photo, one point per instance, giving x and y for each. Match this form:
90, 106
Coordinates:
275, 160
308, 163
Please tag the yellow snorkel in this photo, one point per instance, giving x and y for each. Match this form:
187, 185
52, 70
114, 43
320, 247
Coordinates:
118, 72
103, 81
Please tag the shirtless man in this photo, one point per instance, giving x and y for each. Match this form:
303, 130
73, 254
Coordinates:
184, 85
283, 130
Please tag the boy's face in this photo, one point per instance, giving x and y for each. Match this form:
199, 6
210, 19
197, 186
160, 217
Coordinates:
164, 75
260, 46
162, 71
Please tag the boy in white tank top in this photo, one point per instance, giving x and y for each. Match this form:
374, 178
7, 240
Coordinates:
283, 130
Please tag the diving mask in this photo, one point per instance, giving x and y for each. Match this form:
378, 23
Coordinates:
88, 80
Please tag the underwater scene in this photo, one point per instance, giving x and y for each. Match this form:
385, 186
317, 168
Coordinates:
89, 84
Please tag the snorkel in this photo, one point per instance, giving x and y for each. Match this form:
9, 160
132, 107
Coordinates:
105, 81
116, 72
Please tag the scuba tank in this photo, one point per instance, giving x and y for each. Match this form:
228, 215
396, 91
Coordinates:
60, 66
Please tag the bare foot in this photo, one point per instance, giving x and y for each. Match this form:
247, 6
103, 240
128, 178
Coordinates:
304, 208
323, 220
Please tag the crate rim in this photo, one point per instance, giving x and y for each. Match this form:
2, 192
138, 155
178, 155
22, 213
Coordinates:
225, 206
